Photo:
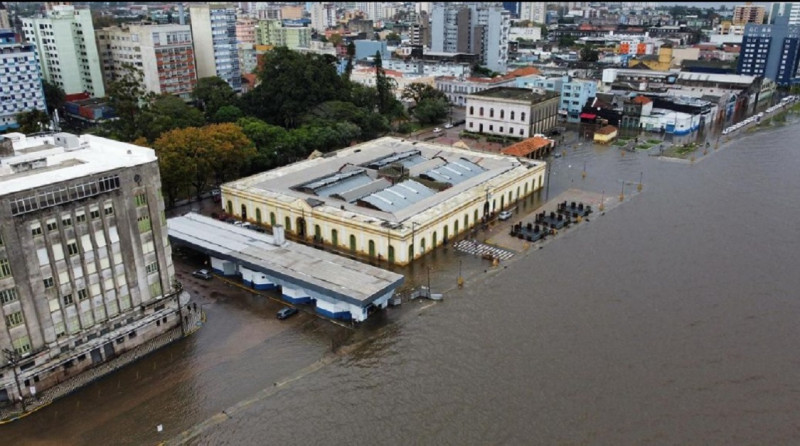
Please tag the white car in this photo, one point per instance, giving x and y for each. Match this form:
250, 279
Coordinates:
437, 130
504, 215
448, 126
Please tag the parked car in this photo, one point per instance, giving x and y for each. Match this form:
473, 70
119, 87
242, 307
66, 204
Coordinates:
216, 195
448, 126
286, 312
504, 215
202, 274
437, 130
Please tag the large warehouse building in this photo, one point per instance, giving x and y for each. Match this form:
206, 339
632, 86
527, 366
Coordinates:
387, 199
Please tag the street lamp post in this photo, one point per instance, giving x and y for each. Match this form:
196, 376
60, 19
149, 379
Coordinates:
13, 358
547, 190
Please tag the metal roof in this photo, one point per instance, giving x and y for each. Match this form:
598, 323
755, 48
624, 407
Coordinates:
454, 172
413, 156
329, 274
354, 194
319, 183
399, 196
344, 184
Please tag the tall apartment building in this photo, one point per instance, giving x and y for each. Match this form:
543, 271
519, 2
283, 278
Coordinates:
372, 10
65, 43
783, 8
772, 51
5, 23
272, 32
246, 30
86, 271
748, 14
20, 80
162, 53
323, 16
534, 11
472, 27
214, 35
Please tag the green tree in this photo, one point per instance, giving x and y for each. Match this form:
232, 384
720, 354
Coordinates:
566, 41
164, 113
211, 93
589, 54
291, 84
393, 38
431, 111
33, 121
228, 113
384, 85
418, 91
351, 53
54, 96
335, 39
126, 95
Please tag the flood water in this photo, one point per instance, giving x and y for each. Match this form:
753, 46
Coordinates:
671, 319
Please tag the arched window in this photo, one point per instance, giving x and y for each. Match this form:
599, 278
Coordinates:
422, 245
445, 234
466, 221
471, 110
522, 116
334, 237
272, 219
410, 252
258, 215
455, 228
433, 245
512, 114
244, 212
288, 224
391, 254
352, 242
371, 248
502, 113
230, 207
475, 217
491, 113
481, 111
317, 233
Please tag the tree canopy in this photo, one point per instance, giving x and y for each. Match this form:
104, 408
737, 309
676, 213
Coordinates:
211, 93
291, 84
33, 121
589, 54
417, 92
195, 157
54, 96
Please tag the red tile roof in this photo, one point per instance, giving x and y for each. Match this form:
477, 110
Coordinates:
528, 146
641, 100
607, 130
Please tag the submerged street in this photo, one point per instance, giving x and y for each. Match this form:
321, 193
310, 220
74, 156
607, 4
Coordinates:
669, 319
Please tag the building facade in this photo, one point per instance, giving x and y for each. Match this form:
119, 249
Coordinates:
474, 28
512, 112
214, 35
323, 16
272, 32
375, 210
536, 12
163, 54
67, 50
86, 271
20, 80
792, 9
744, 14
575, 94
772, 51
457, 89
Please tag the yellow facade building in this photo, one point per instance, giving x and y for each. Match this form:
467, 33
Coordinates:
388, 199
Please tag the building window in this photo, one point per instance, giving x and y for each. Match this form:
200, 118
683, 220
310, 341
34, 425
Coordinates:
36, 230
94, 213
9, 295
512, 114
502, 113
67, 299
481, 111
5, 268
14, 319
151, 268
72, 248
522, 116
471, 110
108, 210
66, 221
48, 282
491, 113
82, 294
155, 289
144, 223
80, 218
51, 225
22, 345
140, 199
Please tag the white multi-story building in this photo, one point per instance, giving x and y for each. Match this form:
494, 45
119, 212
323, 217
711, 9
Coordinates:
323, 16
373, 10
513, 112
20, 80
214, 34
780, 9
162, 53
474, 28
86, 270
67, 50
534, 11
